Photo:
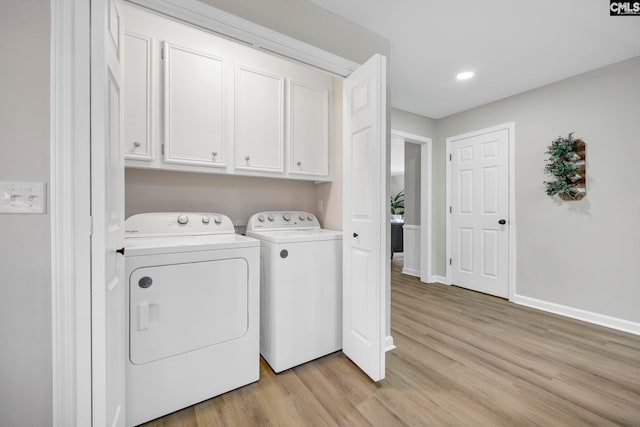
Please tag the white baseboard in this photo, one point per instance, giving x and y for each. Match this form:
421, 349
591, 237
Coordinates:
439, 279
411, 272
576, 313
388, 343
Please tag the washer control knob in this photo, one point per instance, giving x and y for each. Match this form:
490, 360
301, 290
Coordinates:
217, 220
183, 219
205, 220
261, 218
309, 218
301, 217
286, 217
270, 218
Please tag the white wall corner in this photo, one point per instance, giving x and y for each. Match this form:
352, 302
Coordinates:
439, 279
411, 238
576, 313
388, 343
411, 272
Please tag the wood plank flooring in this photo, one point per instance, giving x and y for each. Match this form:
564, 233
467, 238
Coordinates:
462, 359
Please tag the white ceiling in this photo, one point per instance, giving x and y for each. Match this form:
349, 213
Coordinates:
512, 46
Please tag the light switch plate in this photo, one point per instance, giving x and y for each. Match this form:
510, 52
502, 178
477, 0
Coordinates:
22, 197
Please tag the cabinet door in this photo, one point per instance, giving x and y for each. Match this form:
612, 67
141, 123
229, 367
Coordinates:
308, 130
138, 141
259, 130
193, 107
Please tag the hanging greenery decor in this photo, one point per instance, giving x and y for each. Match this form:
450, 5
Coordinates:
566, 164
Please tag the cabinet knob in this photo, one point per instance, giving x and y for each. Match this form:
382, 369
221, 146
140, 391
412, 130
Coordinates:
246, 158
136, 144
214, 153
299, 163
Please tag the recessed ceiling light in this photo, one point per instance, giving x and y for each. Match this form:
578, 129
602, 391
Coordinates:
465, 75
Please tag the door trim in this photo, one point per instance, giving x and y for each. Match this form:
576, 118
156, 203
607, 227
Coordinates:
510, 127
426, 201
70, 213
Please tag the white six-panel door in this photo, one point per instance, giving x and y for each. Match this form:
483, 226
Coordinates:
107, 211
479, 210
365, 210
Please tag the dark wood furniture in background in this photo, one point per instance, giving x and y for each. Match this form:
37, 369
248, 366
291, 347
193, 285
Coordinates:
397, 240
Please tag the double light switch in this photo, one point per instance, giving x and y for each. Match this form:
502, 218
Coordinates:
22, 197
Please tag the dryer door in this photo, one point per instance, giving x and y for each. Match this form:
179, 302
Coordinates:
179, 308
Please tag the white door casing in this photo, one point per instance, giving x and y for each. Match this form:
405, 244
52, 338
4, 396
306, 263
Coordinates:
480, 211
365, 219
107, 211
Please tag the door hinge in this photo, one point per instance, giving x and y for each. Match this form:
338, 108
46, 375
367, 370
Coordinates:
90, 226
161, 53
450, 209
450, 157
450, 261
162, 149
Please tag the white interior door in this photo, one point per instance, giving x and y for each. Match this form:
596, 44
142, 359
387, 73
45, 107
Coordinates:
480, 212
107, 211
365, 217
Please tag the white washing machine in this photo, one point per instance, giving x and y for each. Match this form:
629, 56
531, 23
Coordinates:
193, 300
301, 288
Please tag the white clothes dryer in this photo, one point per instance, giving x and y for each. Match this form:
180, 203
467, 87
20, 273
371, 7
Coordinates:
193, 301
301, 287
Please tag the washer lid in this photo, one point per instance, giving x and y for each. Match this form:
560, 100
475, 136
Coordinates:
175, 244
296, 235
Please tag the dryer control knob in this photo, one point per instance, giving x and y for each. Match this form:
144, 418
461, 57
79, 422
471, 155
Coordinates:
205, 220
183, 219
301, 217
217, 220
286, 217
261, 218
309, 218
270, 218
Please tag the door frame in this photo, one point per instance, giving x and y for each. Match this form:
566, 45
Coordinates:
70, 175
426, 201
511, 263
70, 184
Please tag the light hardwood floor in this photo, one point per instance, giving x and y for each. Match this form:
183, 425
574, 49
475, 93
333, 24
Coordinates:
462, 359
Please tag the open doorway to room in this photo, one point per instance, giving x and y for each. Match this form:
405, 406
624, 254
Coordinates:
411, 164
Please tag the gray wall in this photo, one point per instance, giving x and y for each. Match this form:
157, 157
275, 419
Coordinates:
580, 254
396, 185
236, 196
413, 123
25, 305
417, 125
412, 169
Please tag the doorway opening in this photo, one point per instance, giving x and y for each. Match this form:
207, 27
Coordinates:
417, 247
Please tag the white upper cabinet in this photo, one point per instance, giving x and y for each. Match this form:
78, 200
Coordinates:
198, 102
193, 107
138, 100
308, 130
259, 121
